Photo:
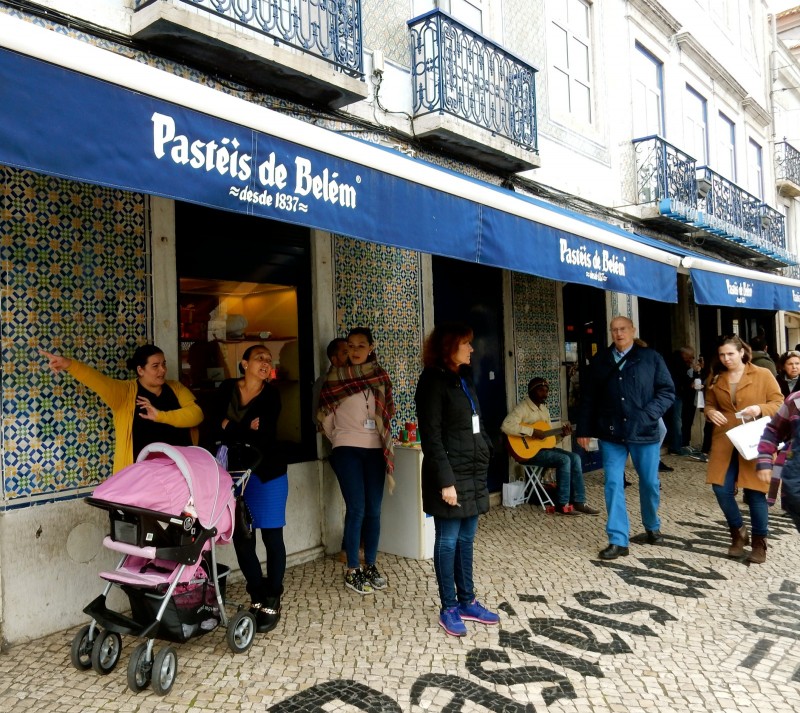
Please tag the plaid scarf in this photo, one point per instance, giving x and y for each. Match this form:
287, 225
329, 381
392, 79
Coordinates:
354, 379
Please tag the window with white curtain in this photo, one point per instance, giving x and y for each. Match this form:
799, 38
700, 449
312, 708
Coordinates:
695, 124
648, 94
570, 66
726, 147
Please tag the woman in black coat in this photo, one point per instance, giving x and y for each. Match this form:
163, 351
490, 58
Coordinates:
456, 452
246, 410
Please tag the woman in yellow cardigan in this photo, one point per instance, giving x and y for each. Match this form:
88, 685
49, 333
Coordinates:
146, 409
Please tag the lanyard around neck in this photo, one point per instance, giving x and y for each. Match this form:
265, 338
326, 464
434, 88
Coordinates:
469, 396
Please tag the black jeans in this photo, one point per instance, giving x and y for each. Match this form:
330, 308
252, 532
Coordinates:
259, 587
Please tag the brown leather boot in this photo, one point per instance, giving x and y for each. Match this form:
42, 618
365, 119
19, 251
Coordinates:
739, 538
758, 555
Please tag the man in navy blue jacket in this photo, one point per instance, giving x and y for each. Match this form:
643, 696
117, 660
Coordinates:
627, 391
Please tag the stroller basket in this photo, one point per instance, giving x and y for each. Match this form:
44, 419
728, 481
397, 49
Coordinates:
180, 539
191, 610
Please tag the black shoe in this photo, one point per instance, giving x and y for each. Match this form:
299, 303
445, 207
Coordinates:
612, 552
663, 467
653, 537
267, 614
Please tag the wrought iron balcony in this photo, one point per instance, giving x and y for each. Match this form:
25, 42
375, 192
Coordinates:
460, 74
787, 168
665, 175
295, 33
675, 193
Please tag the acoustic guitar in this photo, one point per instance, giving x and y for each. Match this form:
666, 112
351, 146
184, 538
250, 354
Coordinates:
523, 448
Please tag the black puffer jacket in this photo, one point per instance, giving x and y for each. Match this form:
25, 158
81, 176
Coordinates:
453, 454
624, 405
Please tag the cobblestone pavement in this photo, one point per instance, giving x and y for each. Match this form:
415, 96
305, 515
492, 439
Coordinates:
673, 627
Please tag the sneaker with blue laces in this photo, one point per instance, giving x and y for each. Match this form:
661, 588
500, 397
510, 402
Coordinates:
450, 621
477, 612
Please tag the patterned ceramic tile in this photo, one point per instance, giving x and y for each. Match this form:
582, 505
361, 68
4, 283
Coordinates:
380, 287
73, 268
537, 342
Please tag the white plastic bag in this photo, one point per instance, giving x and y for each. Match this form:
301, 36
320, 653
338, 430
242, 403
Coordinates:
745, 437
513, 493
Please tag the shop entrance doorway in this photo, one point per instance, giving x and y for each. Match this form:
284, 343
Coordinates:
584, 334
471, 293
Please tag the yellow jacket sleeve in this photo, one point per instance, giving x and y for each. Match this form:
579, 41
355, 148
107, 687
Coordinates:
188, 415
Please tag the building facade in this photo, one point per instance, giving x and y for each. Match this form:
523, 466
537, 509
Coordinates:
207, 175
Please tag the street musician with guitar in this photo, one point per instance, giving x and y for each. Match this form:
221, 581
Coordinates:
532, 441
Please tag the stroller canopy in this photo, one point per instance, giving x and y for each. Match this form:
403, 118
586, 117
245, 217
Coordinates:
174, 480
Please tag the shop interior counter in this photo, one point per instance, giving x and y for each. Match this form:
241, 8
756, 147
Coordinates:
405, 529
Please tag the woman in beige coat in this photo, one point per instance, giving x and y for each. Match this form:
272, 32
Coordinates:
738, 388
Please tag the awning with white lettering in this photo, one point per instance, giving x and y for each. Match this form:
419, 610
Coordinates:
726, 285
76, 111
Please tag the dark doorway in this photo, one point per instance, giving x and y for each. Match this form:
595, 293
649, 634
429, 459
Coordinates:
747, 323
471, 293
584, 335
655, 326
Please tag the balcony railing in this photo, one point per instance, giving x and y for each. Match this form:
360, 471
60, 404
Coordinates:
329, 29
458, 72
703, 199
787, 163
666, 175
730, 211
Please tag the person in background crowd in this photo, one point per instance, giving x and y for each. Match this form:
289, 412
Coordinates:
738, 389
246, 411
455, 465
355, 412
147, 409
627, 393
685, 372
337, 356
760, 355
789, 372
569, 473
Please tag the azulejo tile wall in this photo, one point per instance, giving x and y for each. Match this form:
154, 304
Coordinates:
537, 343
73, 266
380, 287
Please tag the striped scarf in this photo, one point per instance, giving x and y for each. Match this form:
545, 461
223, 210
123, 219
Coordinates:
354, 379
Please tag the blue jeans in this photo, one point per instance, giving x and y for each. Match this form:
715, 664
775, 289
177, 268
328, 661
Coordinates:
569, 474
361, 473
755, 499
645, 458
452, 559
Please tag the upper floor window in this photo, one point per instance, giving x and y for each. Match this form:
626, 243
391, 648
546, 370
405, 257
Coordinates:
483, 16
726, 147
648, 94
695, 121
569, 44
755, 169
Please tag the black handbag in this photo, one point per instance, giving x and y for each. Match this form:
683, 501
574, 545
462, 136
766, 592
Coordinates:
243, 518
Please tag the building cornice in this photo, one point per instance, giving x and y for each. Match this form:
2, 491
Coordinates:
657, 14
756, 111
688, 44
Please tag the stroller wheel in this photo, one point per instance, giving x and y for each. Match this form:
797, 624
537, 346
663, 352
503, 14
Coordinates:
241, 631
81, 652
165, 668
106, 650
139, 669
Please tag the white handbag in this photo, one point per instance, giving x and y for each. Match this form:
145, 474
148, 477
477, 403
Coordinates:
746, 437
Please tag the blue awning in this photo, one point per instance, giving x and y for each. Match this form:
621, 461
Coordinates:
66, 123
727, 285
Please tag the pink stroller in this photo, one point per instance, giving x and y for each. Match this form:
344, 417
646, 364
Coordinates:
167, 512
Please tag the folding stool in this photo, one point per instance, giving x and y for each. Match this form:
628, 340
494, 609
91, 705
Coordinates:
533, 484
